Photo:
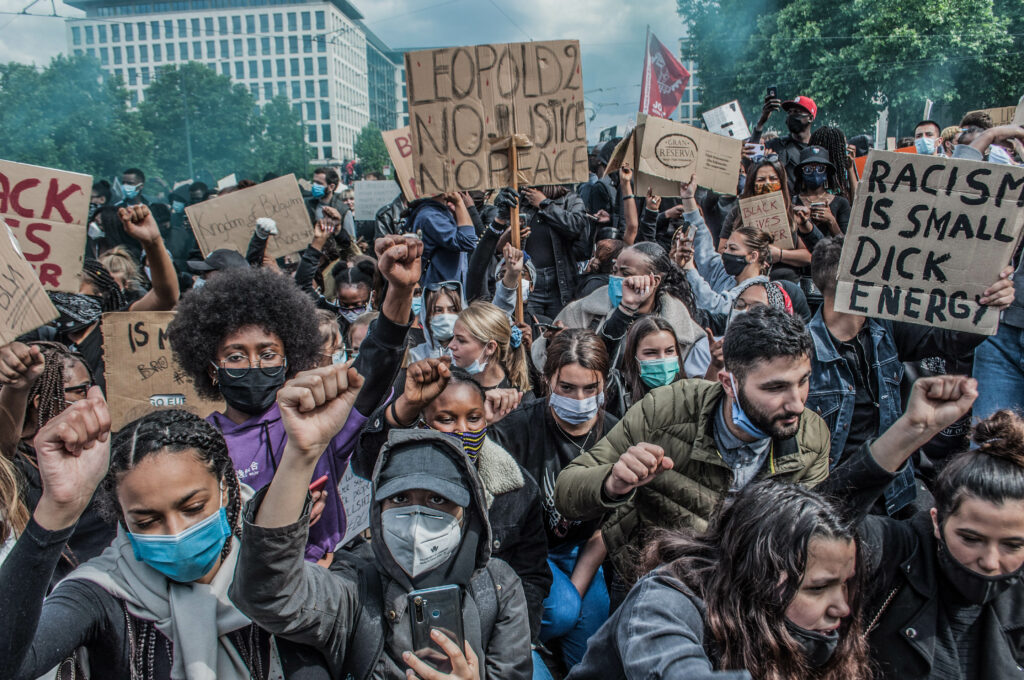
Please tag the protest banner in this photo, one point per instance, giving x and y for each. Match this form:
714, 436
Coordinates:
767, 212
465, 102
674, 151
228, 221
355, 493
227, 182
399, 146
927, 236
727, 120
860, 161
142, 375
371, 196
24, 304
48, 210
1018, 116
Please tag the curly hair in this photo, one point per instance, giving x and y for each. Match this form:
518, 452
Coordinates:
232, 300
673, 280
833, 141
170, 431
748, 566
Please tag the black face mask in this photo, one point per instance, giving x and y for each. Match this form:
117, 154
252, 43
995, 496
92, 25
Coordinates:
974, 587
253, 393
818, 648
733, 264
797, 125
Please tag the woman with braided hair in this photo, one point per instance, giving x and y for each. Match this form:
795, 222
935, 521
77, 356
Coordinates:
154, 605
40, 380
832, 139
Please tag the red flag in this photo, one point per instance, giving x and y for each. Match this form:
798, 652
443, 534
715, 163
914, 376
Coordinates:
664, 80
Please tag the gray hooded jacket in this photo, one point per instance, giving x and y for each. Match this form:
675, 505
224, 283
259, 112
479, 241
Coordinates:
305, 603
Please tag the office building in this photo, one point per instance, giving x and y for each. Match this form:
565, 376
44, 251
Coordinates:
317, 53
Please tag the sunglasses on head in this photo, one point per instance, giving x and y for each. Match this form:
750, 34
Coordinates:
446, 285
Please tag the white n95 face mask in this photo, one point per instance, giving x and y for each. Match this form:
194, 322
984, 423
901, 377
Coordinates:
420, 538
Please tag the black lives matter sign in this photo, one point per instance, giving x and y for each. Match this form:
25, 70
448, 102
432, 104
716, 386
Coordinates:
465, 101
926, 238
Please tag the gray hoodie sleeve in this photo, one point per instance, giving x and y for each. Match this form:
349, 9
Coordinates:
287, 596
661, 635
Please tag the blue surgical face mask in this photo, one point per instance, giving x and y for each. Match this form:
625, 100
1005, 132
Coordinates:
740, 419
477, 366
187, 556
417, 305
354, 313
130, 190
339, 357
997, 154
659, 372
442, 326
815, 179
318, 190
615, 290
575, 411
925, 145
198, 282
177, 206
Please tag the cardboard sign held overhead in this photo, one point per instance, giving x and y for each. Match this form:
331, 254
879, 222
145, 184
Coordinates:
24, 304
1001, 115
927, 236
371, 196
228, 221
48, 210
768, 213
399, 146
142, 375
727, 120
674, 151
465, 100
1018, 116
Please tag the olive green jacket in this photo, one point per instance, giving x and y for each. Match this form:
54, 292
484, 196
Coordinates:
679, 418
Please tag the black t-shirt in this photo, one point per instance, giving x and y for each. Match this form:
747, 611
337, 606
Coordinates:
91, 348
538, 246
857, 353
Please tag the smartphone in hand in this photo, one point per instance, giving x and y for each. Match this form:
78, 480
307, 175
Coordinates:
441, 609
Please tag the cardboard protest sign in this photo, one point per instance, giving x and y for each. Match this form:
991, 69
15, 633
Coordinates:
142, 375
227, 182
371, 196
228, 221
48, 210
356, 494
399, 146
674, 151
624, 154
727, 120
927, 236
24, 304
860, 161
1018, 115
464, 101
768, 213
1001, 115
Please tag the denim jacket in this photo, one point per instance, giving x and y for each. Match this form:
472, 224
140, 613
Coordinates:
832, 388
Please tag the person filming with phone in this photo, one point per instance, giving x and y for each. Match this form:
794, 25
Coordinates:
427, 598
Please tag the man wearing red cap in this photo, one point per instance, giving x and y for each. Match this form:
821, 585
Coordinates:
802, 111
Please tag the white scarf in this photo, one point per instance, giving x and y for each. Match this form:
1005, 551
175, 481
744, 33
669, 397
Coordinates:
195, 617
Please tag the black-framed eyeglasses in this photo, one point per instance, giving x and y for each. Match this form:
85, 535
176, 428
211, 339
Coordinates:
812, 168
79, 392
270, 363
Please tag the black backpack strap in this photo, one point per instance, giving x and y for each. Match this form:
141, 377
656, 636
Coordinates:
366, 640
484, 591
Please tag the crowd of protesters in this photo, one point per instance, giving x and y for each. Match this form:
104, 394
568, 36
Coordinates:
683, 463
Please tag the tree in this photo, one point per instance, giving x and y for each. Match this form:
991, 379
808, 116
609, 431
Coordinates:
281, 147
370, 150
70, 115
194, 102
857, 58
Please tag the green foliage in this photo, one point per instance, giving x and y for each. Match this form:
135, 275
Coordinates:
370, 149
70, 115
73, 116
857, 57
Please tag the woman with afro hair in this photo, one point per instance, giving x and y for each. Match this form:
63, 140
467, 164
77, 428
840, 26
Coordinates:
244, 333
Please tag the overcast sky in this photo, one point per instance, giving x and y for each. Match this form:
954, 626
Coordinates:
611, 33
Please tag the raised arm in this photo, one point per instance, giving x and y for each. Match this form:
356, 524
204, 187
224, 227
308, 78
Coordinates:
138, 222
20, 365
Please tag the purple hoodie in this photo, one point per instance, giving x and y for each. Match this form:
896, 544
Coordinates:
256, 447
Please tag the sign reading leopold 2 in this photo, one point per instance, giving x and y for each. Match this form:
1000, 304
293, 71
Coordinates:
927, 236
464, 101
47, 209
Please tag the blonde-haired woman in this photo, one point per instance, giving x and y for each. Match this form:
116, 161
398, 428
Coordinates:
490, 348
125, 270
